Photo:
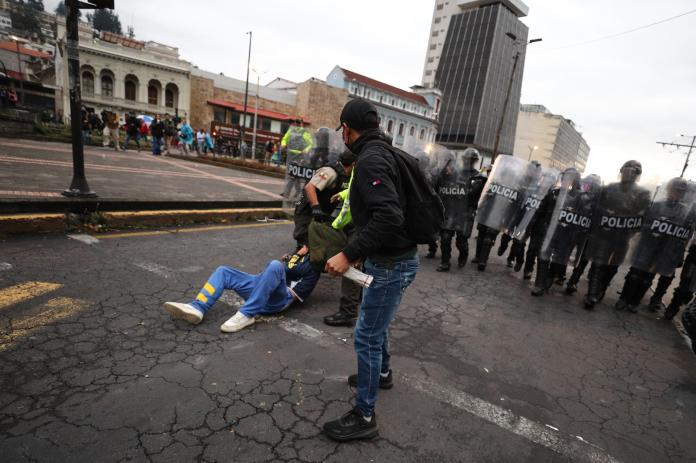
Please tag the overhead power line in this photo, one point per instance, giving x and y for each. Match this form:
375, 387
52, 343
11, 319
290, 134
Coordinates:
630, 31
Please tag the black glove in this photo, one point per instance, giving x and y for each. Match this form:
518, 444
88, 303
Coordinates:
319, 215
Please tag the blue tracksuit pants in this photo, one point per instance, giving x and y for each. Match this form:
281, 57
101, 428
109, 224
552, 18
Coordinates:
264, 294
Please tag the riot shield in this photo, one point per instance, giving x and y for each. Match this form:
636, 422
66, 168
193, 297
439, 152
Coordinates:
459, 186
667, 227
504, 192
534, 194
298, 143
618, 217
571, 219
425, 165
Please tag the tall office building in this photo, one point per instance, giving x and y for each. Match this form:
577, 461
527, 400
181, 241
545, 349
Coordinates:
474, 71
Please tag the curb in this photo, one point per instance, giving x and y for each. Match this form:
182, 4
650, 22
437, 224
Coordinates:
228, 165
83, 206
13, 224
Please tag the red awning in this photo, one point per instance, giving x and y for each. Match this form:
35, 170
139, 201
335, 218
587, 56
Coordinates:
250, 110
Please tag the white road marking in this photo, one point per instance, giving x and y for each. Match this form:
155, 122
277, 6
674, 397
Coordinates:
87, 239
160, 270
5, 266
574, 449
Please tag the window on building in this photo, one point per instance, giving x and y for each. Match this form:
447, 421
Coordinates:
390, 126
401, 129
131, 88
107, 86
264, 124
428, 73
437, 20
234, 119
88, 83
422, 134
412, 131
152, 95
171, 96
440, 6
219, 115
436, 33
433, 47
431, 60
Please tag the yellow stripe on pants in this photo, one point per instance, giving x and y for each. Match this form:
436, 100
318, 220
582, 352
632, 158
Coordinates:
25, 291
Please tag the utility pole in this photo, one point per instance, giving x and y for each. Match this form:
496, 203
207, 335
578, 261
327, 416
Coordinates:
515, 59
246, 97
679, 145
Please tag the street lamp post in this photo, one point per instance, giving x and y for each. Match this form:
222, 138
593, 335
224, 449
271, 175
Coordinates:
246, 97
256, 110
20, 95
532, 149
79, 188
515, 59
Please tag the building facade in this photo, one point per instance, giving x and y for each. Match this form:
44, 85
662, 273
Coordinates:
123, 75
217, 102
480, 74
551, 139
442, 12
409, 117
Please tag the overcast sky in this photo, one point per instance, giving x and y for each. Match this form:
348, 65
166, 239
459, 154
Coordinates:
624, 93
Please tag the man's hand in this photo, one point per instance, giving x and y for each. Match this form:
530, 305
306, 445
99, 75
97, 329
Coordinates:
336, 198
303, 251
337, 265
319, 215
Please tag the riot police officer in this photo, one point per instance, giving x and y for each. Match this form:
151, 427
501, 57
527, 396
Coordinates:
459, 185
619, 216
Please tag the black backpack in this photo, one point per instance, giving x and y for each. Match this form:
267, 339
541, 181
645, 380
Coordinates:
424, 212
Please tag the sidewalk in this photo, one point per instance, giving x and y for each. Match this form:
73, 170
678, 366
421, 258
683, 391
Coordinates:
31, 170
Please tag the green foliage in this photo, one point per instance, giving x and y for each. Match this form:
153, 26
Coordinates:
25, 17
63, 11
105, 20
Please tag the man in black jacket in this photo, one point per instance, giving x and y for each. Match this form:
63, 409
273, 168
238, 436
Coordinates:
157, 131
377, 204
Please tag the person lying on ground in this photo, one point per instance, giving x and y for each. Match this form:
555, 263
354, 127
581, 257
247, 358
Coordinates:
270, 292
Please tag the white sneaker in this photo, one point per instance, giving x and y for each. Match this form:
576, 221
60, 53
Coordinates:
237, 322
179, 311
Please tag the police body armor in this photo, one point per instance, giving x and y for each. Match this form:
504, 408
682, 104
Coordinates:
618, 217
460, 192
570, 224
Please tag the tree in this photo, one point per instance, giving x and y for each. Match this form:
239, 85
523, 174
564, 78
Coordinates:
62, 11
25, 17
36, 5
105, 20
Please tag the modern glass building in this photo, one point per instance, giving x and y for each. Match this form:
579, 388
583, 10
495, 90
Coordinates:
474, 73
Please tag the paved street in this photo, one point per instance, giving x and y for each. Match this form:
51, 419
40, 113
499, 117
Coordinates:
92, 368
30, 169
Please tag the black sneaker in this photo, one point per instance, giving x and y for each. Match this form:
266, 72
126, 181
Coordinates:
351, 426
385, 382
443, 267
340, 319
571, 289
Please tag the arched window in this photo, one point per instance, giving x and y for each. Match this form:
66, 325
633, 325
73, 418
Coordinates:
107, 86
422, 134
131, 87
87, 83
153, 92
390, 126
171, 96
401, 129
412, 131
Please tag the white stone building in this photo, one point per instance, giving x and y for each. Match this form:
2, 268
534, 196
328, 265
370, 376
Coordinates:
551, 139
122, 74
409, 117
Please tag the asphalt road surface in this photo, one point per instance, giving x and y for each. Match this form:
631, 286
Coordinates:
92, 368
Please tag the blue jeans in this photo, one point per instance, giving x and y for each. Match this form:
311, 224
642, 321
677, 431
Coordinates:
130, 137
377, 310
157, 145
264, 294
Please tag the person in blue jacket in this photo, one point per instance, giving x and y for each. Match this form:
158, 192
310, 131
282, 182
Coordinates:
185, 136
273, 290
